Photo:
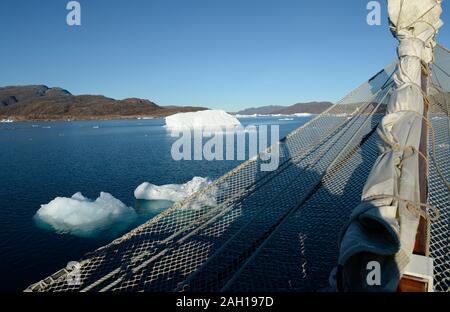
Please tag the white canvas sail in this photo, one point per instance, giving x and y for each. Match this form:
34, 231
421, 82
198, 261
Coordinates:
383, 227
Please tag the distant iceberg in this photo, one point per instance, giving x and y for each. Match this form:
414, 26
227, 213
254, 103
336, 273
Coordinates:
248, 116
207, 120
286, 119
274, 115
170, 192
83, 217
303, 115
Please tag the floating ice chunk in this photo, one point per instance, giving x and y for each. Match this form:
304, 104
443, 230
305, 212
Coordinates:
303, 115
171, 192
152, 207
83, 217
6, 120
286, 119
207, 120
247, 116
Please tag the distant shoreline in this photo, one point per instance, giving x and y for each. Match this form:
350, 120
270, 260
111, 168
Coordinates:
41, 103
36, 103
111, 118
80, 118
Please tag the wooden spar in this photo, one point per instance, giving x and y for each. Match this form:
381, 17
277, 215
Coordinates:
410, 283
422, 245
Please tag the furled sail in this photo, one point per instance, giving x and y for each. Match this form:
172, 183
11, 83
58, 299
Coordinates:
383, 228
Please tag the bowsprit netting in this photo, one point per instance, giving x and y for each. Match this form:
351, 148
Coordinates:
264, 231
439, 195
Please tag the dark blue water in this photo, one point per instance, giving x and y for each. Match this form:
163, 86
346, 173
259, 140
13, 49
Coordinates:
41, 161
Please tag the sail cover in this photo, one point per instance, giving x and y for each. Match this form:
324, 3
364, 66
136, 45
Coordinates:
382, 229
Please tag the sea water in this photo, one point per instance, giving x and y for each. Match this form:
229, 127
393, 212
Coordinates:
41, 161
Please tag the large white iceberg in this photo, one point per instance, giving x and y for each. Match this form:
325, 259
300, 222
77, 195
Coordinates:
83, 217
207, 120
170, 192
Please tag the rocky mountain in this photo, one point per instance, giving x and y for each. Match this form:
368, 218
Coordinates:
39, 102
264, 110
309, 108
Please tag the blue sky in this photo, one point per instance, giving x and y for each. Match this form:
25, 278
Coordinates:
228, 54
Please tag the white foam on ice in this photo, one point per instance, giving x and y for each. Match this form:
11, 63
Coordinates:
6, 120
170, 192
83, 217
207, 120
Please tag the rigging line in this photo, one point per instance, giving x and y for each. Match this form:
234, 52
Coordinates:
428, 101
397, 27
233, 172
443, 48
441, 69
438, 86
278, 225
418, 19
223, 178
186, 282
433, 149
438, 81
191, 229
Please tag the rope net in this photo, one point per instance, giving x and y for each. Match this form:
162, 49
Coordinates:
269, 231
439, 195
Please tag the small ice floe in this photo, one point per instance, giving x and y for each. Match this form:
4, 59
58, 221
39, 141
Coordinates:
6, 120
176, 192
172, 192
95, 127
83, 217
